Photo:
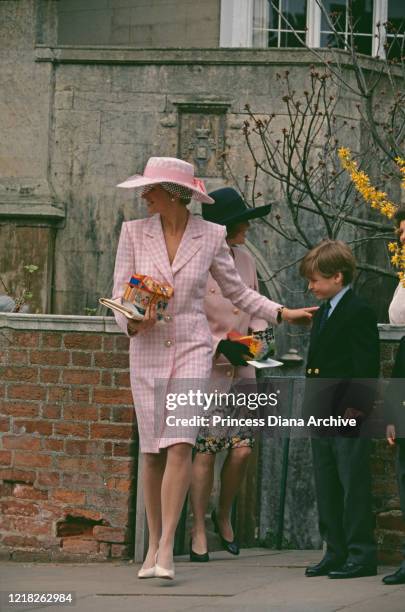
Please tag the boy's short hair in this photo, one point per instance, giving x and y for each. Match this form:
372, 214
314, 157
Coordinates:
328, 258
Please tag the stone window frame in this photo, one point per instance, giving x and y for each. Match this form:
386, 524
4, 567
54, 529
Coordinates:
240, 24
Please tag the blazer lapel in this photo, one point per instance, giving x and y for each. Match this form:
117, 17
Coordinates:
336, 319
191, 242
155, 245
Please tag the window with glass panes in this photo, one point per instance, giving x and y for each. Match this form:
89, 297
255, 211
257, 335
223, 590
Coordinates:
274, 21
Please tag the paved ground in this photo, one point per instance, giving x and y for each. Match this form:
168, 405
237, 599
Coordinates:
259, 580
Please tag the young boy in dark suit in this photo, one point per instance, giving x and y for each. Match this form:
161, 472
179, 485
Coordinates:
344, 346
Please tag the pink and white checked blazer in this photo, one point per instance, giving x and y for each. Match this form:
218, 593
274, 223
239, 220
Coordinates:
176, 354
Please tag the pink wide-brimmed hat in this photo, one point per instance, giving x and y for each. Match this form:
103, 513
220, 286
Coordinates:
169, 170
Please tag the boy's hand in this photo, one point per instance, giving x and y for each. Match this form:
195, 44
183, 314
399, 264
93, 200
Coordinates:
390, 434
299, 316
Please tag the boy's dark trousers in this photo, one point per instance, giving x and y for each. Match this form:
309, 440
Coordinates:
343, 354
343, 490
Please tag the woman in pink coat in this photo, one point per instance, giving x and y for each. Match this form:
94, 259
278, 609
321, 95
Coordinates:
175, 247
229, 365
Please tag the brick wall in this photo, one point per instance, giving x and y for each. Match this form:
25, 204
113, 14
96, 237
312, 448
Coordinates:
68, 443
68, 446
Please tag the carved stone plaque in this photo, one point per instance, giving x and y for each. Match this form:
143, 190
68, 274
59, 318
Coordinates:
202, 137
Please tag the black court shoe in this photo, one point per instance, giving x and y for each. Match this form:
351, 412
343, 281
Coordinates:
196, 557
231, 547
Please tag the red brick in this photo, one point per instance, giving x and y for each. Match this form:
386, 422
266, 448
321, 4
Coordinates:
110, 431
80, 394
2, 390
105, 549
6, 489
81, 358
121, 343
52, 445
119, 484
19, 373
16, 541
111, 360
26, 492
80, 430
26, 392
5, 457
106, 378
35, 426
77, 480
93, 515
124, 449
81, 377
48, 479
109, 534
83, 447
108, 343
31, 525
20, 408
76, 544
20, 507
121, 379
50, 411
108, 447
112, 396
52, 358
20, 357
4, 424
86, 342
58, 394
25, 339
79, 464
21, 442
119, 551
49, 375
121, 414
80, 413
51, 340
69, 497
32, 459
117, 466
15, 475
105, 413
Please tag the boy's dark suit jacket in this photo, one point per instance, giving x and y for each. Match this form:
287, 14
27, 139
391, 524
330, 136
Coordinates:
346, 348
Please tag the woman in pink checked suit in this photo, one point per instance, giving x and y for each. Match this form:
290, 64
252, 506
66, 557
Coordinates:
176, 247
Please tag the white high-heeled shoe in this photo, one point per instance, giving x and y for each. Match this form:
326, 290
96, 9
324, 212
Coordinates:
148, 572
163, 572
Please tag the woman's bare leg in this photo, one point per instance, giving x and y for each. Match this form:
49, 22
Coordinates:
152, 476
175, 484
202, 479
232, 474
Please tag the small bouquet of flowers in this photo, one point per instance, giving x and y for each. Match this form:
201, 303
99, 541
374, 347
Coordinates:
260, 343
140, 293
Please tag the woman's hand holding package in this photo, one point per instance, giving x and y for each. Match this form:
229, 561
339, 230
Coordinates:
139, 327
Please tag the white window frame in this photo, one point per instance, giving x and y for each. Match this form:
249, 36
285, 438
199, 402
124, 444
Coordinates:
241, 19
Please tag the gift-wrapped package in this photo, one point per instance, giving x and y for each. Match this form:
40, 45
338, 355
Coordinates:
143, 291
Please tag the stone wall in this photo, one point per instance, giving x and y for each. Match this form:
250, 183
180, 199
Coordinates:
77, 120
68, 448
139, 23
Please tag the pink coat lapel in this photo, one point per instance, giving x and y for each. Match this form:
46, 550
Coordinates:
155, 245
190, 243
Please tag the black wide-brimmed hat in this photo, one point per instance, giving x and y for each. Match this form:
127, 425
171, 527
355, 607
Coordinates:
229, 208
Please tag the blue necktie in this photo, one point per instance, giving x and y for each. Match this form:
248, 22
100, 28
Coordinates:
324, 316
